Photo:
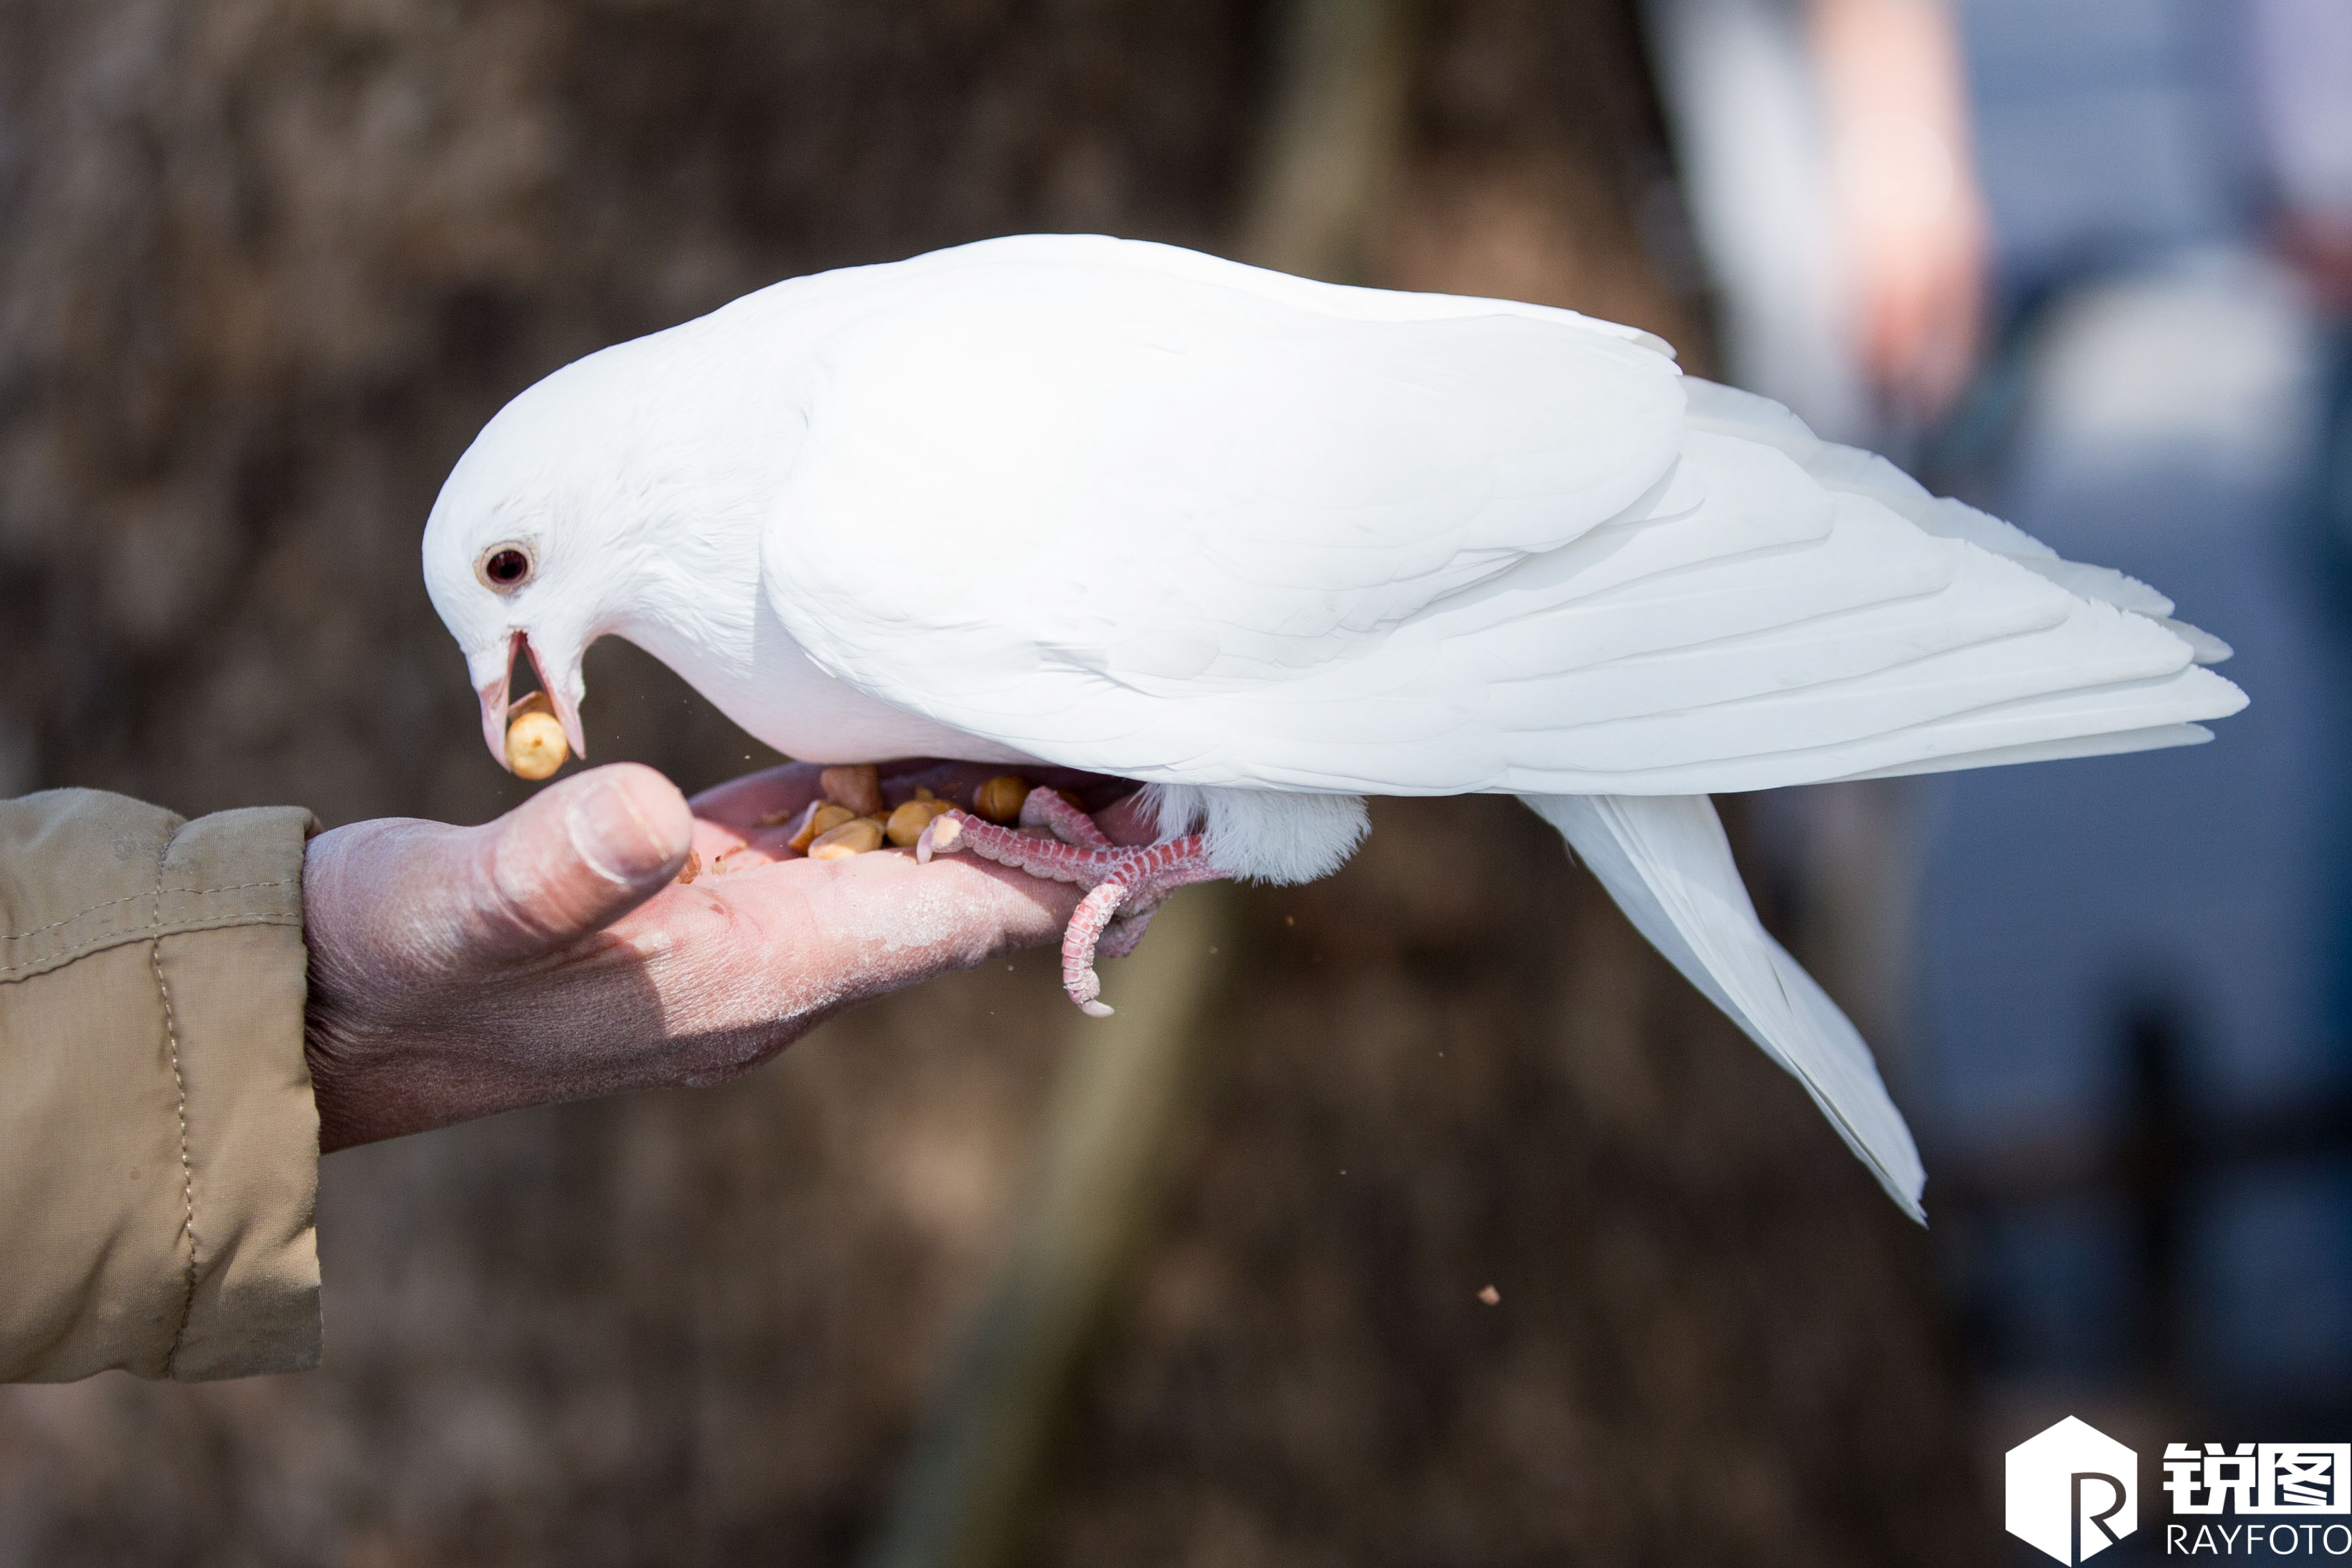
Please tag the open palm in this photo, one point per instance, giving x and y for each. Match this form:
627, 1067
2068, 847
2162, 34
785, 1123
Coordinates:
553, 953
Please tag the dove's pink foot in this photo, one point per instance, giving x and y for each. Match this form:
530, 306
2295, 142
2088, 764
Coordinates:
1057, 841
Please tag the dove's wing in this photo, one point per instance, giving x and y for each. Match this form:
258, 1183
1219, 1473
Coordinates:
1126, 518
1665, 860
1059, 503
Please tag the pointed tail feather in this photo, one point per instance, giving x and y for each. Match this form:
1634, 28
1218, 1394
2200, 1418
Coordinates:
1665, 860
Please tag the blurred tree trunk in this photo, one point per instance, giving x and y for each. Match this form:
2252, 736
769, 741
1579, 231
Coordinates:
266, 265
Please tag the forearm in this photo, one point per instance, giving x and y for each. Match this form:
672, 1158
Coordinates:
158, 1151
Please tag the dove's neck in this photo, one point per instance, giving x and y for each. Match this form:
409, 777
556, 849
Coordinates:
691, 487
718, 444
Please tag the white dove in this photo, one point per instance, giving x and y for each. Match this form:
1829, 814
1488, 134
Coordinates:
1270, 546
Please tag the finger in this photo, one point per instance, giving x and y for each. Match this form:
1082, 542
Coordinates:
786, 945
724, 850
893, 921
955, 782
742, 803
571, 861
714, 842
774, 792
1130, 821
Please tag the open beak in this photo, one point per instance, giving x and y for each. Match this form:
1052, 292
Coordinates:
496, 693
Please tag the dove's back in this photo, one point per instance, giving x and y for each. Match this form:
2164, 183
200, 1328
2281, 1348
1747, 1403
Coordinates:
1167, 516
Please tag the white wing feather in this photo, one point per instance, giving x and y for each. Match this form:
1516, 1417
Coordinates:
1665, 860
1081, 505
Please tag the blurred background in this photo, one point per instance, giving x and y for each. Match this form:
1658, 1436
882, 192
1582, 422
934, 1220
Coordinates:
955, 1280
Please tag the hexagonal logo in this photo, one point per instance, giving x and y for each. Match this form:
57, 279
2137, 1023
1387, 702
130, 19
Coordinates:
2073, 1491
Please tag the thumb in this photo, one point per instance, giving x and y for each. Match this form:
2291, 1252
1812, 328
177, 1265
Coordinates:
573, 859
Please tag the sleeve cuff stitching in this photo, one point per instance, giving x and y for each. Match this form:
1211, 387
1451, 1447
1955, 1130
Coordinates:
179, 1087
133, 897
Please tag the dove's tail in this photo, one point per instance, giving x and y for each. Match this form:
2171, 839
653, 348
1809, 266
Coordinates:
1665, 860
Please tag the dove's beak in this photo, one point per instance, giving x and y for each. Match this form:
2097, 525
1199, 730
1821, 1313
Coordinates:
496, 693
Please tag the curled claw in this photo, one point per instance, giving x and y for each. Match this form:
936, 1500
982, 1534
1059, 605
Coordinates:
1086, 928
942, 835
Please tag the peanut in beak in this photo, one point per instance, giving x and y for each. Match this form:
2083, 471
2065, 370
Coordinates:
535, 744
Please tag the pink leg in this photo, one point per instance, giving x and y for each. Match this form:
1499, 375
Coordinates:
1126, 883
1047, 808
1079, 977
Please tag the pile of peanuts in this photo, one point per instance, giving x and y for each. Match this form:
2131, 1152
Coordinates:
849, 818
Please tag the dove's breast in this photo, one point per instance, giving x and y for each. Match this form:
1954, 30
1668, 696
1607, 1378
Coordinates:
770, 687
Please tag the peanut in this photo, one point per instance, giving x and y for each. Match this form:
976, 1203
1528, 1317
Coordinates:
535, 744
859, 787
854, 837
907, 823
999, 798
822, 818
693, 867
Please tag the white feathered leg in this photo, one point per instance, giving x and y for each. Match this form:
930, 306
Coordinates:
1665, 860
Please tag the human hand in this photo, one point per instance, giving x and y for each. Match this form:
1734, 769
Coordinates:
1911, 215
551, 954
2319, 246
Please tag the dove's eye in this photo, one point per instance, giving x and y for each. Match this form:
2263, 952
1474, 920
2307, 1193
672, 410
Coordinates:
504, 568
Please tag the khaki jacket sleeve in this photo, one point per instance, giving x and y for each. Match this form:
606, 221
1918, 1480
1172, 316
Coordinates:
159, 1148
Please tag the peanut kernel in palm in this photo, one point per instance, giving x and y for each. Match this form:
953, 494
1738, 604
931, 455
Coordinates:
999, 798
907, 823
822, 818
859, 787
535, 744
855, 836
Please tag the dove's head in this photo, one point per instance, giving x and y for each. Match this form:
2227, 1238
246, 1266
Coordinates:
531, 544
